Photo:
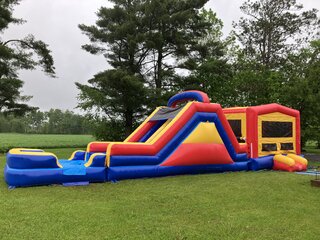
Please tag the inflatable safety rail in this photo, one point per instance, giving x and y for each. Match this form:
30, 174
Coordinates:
188, 136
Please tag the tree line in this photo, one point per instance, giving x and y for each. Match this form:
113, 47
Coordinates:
53, 121
159, 47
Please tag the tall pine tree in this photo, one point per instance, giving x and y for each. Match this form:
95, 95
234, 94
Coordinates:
147, 43
16, 54
116, 96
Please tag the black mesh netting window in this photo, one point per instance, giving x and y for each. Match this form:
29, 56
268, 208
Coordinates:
269, 147
286, 146
276, 129
236, 127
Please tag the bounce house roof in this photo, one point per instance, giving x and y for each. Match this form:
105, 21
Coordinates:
264, 109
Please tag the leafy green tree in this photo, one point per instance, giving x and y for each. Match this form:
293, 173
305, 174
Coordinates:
255, 87
174, 32
210, 70
16, 54
274, 62
17, 126
72, 123
119, 95
302, 89
34, 121
4, 124
274, 28
54, 121
271, 30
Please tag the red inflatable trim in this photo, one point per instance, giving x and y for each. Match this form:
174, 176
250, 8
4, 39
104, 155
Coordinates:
187, 154
252, 132
142, 131
98, 147
204, 96
284, 167
234, 110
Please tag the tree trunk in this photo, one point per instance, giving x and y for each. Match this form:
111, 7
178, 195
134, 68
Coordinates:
158, 78
128, 122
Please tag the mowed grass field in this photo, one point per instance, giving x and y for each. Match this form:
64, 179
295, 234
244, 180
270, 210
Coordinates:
238, 205
11, 140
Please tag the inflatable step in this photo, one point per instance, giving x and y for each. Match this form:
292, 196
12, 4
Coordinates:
289, 163
298, 159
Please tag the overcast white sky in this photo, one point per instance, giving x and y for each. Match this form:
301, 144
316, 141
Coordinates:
56, 21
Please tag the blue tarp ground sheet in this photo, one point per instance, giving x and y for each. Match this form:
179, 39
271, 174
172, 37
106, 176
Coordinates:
309, 173
72, 184
74, 167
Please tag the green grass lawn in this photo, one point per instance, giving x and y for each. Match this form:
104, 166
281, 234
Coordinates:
239, 205
10, 140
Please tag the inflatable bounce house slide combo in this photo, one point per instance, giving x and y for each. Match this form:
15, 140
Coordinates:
189, 136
